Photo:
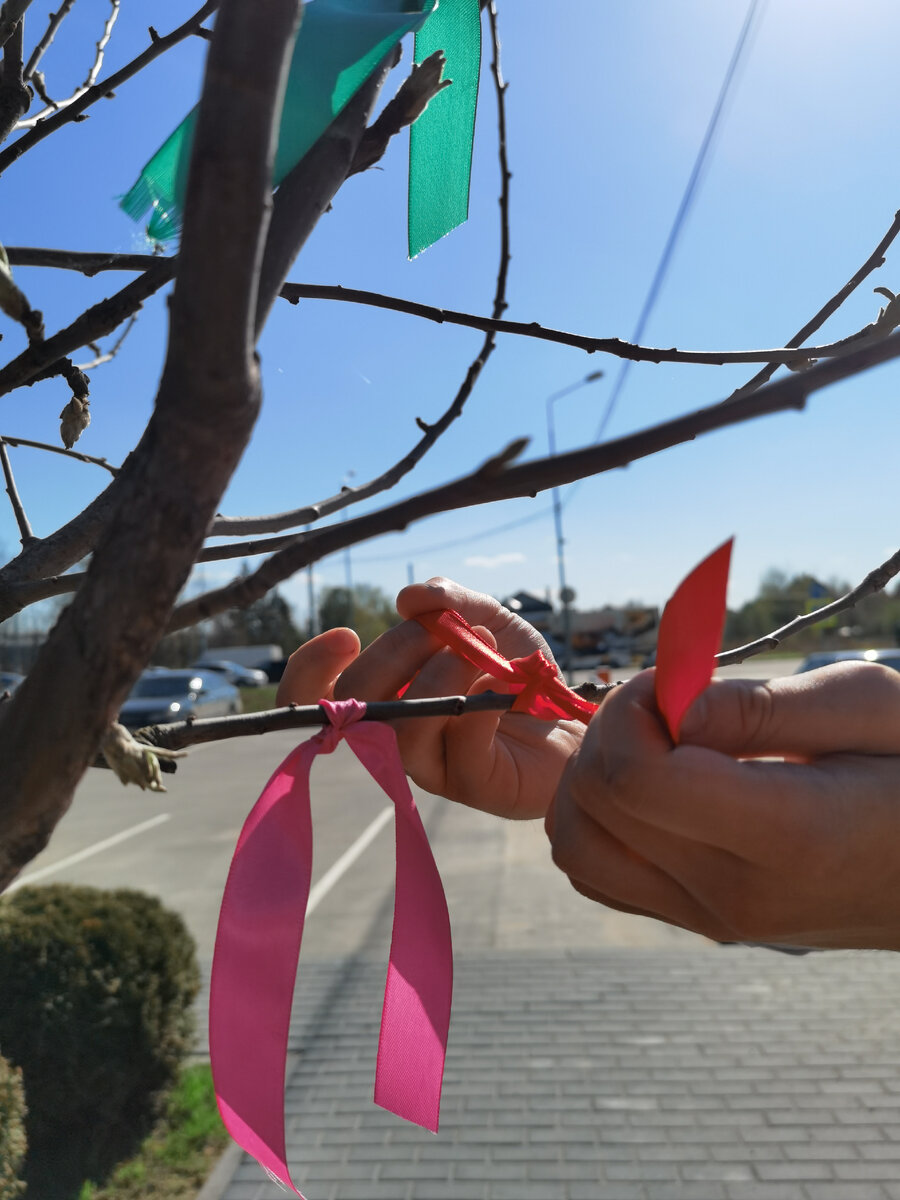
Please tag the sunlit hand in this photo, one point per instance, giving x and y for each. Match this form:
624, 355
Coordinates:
311, 671
803, 852
509, 763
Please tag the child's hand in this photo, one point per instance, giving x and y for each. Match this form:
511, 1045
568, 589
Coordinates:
311, 671
509, 763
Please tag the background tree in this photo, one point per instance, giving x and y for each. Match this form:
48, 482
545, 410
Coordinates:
363, 607
158, 517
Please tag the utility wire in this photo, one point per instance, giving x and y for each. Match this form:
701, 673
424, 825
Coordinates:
684, 208
687, 201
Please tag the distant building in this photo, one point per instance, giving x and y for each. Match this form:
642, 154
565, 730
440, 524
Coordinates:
533, 609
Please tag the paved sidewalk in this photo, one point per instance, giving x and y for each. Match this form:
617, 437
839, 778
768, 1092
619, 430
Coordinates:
595, 1056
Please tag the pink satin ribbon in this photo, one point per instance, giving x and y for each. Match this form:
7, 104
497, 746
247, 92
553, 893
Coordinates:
258, 945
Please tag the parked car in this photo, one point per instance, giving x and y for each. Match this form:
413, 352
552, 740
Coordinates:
160, 695
235, 673
824, 658
9, 681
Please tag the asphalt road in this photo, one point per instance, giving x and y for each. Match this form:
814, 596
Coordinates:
593, 1055
178, 846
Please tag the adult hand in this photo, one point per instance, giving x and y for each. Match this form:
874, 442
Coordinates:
706, 836
508, 764
311, 671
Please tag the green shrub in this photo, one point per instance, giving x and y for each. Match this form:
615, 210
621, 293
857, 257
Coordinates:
96, 990
12, 1131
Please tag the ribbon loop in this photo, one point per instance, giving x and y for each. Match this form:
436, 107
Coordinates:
539, 677
541, 692
258, 946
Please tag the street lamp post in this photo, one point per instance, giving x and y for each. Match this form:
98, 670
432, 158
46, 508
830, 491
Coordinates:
566, 595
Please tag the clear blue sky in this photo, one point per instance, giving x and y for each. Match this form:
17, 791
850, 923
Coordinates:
607, 104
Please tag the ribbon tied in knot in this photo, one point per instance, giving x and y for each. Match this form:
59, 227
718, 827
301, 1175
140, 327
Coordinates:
535, 681
258, 945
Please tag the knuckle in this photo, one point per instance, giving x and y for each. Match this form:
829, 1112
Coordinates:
755, 714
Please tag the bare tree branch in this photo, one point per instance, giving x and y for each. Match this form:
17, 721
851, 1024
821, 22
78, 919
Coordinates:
100, 319
307, 190
10, 16
14, 95
55, 553
100, 90
421, 85
87, 262
208, 400
56, 19
179, 734
25, 531
91, 78
498, 481
85, 458
875, 581
872, 263
108, 355
388, 479
90, 263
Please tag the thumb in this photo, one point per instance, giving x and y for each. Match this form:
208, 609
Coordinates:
311, 671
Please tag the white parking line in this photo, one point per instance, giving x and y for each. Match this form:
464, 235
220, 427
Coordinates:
318, 893
88, 852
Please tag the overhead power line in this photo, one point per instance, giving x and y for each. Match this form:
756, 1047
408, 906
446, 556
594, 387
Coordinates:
687, 202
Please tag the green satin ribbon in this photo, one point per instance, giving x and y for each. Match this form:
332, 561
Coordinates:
440, 143
339, 45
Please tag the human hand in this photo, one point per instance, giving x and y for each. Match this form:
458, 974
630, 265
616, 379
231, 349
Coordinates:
312, 669
503, 763
706, 836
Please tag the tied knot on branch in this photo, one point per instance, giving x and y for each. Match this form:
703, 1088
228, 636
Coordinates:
133, 762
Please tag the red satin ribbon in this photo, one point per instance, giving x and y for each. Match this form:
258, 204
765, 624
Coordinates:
540, 691
690, 633
258, 944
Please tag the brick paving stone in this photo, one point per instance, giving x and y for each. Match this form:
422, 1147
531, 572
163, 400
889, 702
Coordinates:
667, 1071
844, 1191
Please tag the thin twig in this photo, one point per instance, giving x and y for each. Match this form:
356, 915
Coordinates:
25, 531
872, 263
875, 581
179, 734
100, 90
110, 354
95, 322
85, 458
421, 85
430, 432
497, 480
90, 78
91, 263
56, 19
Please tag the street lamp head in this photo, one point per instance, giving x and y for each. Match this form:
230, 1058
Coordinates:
594, 375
